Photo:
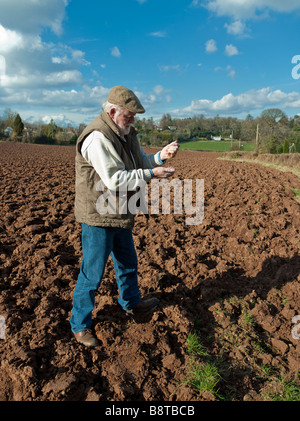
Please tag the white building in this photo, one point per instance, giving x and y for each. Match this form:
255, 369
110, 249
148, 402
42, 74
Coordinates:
8, 131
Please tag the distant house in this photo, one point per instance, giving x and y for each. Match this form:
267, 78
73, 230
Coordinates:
8, 131
216, 138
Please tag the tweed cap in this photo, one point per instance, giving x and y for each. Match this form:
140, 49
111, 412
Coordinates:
119, 95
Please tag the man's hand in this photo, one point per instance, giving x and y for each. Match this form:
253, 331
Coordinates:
161, 172
169, 151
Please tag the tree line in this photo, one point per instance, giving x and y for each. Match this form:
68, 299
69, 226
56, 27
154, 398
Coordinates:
13, 128
272, 131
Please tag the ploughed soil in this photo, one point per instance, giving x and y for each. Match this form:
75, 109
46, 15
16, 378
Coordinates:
232, 280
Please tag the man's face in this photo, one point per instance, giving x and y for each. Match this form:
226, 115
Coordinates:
124, 121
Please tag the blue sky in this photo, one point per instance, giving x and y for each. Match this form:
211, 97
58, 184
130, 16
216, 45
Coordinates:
60, 58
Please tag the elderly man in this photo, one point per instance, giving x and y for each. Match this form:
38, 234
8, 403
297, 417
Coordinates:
108, 152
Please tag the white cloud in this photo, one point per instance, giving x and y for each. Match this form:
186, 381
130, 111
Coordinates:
63, 54
162, 93
36, 76
35, 64
78, 56
243, 103
248, 9
57, 118
159, 95
32, 15
232, 73
115, 52
28, 63
9, 39
38, 80
158, 34
90, 99
167, 68
159, 89
64, 78
237, 27
231, 50
2, 66
211, 46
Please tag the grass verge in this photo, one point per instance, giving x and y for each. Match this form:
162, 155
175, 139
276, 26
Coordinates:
282, 162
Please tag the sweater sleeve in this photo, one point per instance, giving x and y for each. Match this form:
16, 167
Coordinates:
100, 153
151, 161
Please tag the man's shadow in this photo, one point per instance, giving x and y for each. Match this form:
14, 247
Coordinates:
275, 273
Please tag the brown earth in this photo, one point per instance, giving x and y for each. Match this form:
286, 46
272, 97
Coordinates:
233, 279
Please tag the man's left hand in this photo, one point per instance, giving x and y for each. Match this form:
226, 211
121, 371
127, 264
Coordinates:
169, 151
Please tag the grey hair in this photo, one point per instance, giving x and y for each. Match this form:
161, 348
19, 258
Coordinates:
107, 106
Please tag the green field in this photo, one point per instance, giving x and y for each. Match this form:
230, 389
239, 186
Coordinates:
215, 146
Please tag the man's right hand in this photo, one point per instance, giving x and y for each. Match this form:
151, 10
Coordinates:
162, 172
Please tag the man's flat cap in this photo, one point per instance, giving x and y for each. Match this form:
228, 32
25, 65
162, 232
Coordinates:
119, 95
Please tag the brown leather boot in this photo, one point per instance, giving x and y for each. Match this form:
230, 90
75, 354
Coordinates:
146, 304
86, 338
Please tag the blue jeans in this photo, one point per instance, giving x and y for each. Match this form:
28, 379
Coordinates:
97, 244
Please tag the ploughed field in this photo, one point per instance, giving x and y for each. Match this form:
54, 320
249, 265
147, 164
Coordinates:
231, 281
